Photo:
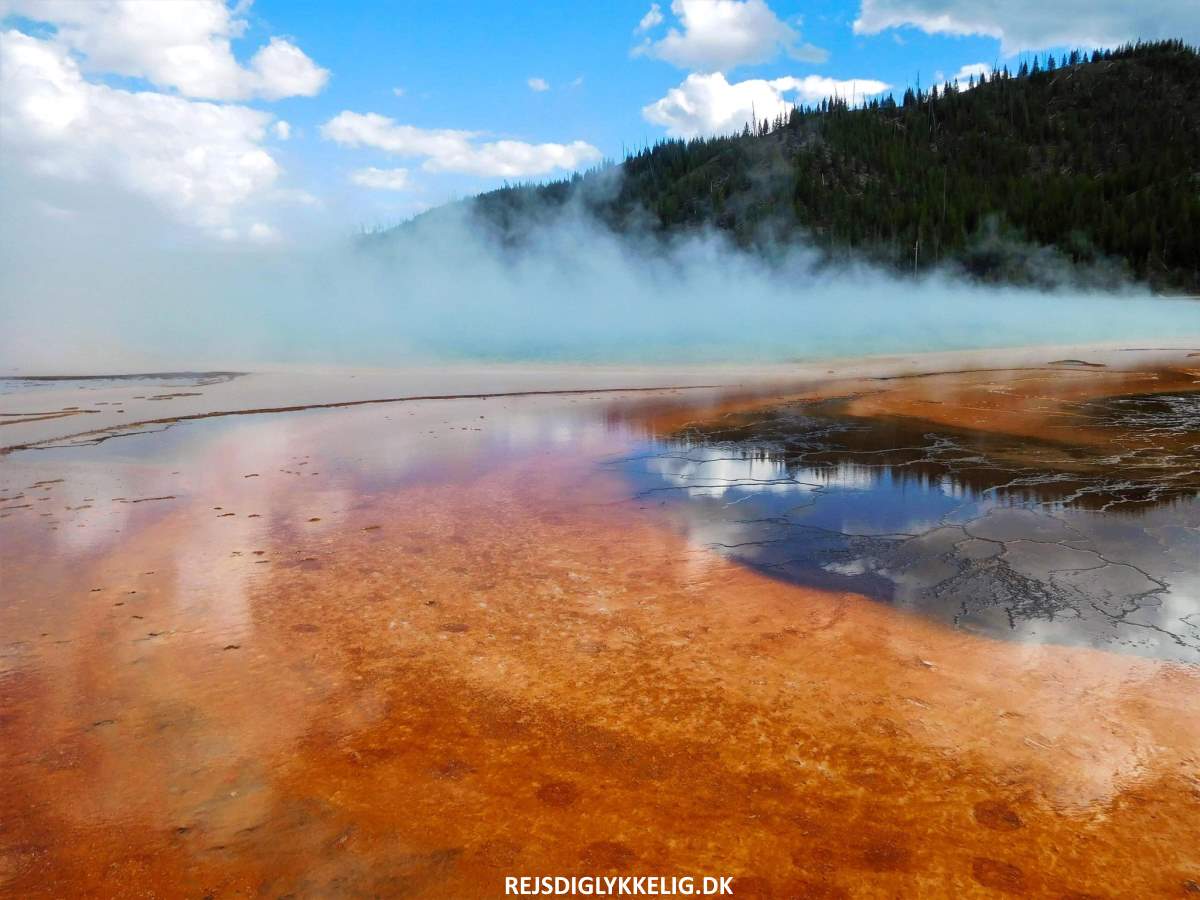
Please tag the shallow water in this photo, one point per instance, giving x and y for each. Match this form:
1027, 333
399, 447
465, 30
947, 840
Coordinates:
160, 380
1014, 537
413, 648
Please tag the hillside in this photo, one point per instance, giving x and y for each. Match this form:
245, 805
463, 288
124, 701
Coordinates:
1091, 159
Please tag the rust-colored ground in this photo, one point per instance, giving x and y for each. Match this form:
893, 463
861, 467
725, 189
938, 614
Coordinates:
417, 688
1036, 404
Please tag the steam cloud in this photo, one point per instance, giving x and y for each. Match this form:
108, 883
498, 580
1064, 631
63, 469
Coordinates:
74, 301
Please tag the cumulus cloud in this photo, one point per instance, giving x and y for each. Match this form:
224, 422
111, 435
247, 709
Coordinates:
351, 129
448, 150
719, 35
515, 158
709, 104
972, 70
1034, 24
184, 46
652, 19
282, 130
538, 84
965, 75
381, 179
280, 70
200, 162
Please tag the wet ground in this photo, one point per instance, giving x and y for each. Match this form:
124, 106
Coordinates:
862, 636
1088, 537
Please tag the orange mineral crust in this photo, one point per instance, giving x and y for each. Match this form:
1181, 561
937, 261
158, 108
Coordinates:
269, 685
1041, 402
1038, 403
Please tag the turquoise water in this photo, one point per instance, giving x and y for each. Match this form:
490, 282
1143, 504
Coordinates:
574, 294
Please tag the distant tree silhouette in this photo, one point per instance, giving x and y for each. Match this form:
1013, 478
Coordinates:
1098, 158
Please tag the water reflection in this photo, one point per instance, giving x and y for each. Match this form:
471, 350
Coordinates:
1091, 543
403, 649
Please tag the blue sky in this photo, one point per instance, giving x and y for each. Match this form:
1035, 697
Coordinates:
466, 64
263, 121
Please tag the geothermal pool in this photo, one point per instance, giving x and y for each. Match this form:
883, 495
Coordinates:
886, 627
1082, 533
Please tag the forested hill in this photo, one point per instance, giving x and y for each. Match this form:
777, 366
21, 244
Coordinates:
1091, 157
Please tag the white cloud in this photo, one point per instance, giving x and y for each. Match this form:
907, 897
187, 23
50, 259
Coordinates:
280, 70
179, 45
652, 19
1036, 24
973, 69
351, 129
381, 179
964, 75
447, 150
262, 233
708, 104
282, 130
514, 159
398, 91
201, 162
538, 84
719, 35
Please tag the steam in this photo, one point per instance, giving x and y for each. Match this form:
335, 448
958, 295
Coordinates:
445, 288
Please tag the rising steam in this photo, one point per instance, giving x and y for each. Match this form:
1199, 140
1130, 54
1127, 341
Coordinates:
444, 288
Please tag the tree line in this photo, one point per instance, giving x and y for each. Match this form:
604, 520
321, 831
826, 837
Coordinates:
1094, 156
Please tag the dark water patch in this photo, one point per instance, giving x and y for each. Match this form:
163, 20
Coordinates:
1092, 544
1174, 413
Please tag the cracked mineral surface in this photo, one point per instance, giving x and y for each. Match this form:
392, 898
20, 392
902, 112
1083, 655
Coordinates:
1083, 535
